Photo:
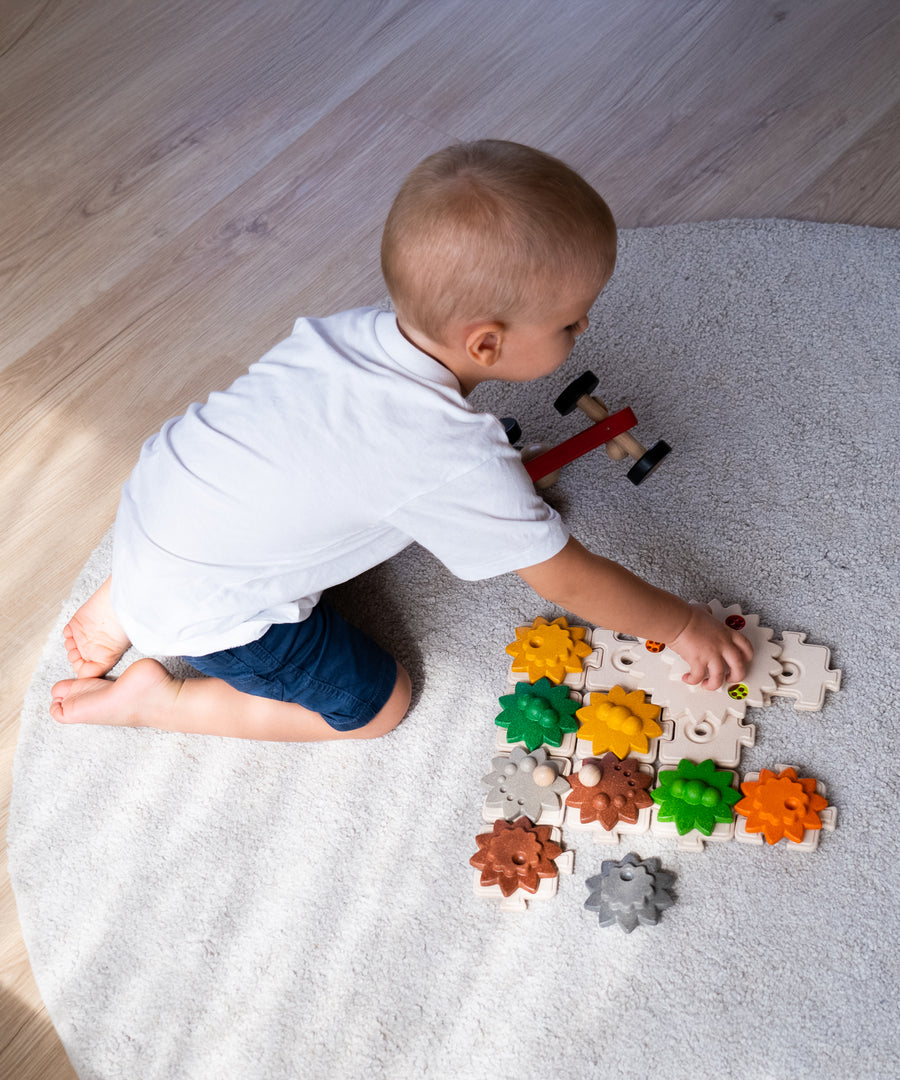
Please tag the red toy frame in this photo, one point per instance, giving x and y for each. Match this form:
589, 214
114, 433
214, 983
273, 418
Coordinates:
580, 444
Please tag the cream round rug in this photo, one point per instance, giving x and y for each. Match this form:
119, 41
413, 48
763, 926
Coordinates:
205, 909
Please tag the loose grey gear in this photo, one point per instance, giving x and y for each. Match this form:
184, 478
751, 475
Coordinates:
629, 892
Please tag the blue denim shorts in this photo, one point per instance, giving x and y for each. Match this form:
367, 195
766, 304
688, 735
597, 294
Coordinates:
323, 663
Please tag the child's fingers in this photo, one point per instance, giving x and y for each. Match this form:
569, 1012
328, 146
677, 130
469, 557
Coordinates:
736, 665
695, 674
740, 657
745, 646
702, 674
715, 675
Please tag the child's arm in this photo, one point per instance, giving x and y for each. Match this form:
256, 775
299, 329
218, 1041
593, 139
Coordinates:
604, 593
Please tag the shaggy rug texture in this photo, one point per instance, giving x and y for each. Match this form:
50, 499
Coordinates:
209, 909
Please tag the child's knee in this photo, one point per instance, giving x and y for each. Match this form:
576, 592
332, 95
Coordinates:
392, 712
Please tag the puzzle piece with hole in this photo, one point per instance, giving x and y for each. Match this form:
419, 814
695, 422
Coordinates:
611, 662
721, 738
806, 673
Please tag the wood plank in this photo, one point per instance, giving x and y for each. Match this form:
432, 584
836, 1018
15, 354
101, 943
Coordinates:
862, 185
641, 92
152, 139
29, 1046
21, 18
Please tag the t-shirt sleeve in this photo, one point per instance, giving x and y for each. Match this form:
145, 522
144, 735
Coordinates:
485, 522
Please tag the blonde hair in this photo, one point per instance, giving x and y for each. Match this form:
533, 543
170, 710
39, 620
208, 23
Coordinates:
479, 230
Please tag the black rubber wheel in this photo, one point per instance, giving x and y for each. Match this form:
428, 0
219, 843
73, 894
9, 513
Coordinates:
568, 399
512, 429
650, 461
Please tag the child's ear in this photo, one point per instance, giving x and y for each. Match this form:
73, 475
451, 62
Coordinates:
484, 344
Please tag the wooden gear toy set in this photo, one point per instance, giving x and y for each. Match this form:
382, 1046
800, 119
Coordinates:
600, 737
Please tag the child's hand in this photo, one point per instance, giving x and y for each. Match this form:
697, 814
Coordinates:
712, 650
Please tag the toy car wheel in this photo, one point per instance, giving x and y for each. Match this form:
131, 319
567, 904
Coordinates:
568, 399
512, 429
646, 464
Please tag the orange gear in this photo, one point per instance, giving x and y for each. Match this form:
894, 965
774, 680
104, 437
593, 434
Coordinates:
781, 805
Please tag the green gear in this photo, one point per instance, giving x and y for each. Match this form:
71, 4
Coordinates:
538, 713
695, 796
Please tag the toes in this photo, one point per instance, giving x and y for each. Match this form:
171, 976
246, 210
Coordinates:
58, 694
88, 669
62, 688
56, 710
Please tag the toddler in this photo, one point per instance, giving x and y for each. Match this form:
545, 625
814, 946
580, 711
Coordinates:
345, 443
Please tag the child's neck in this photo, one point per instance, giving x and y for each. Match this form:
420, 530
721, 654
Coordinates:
468, 375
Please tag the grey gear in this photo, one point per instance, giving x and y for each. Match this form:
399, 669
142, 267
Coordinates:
629, 892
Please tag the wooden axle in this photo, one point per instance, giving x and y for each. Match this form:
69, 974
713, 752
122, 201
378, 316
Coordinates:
577, 395
622, 445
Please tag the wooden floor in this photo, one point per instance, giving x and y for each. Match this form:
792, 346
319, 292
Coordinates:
179, 181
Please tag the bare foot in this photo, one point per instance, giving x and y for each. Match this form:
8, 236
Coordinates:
142, 693
95, 642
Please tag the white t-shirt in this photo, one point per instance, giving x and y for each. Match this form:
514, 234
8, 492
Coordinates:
338, 448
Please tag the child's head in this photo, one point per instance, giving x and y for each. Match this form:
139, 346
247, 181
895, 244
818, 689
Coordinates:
493, 232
